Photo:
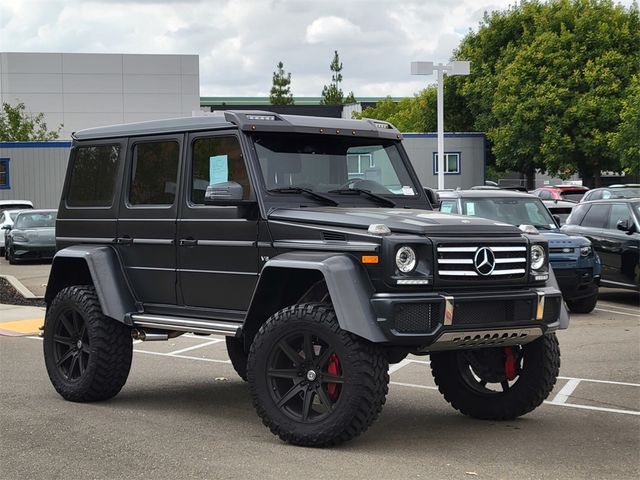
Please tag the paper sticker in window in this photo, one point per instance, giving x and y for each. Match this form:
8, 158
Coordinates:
471, 208
218, 169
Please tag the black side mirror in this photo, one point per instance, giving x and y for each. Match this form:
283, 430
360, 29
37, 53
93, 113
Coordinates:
225, 192
625, 226
6, 227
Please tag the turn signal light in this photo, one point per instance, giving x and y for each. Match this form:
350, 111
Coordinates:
370, 259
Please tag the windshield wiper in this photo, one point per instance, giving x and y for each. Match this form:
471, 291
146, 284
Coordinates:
358, 191
308, 191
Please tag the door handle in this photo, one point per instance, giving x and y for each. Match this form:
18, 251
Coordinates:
124, 240
188, 242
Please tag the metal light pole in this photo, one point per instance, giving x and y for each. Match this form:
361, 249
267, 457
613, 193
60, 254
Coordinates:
453, 68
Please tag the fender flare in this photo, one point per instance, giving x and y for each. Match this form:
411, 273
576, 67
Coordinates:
99, 265
347, 281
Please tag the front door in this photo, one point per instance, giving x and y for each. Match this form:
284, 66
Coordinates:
218, 262
146, 230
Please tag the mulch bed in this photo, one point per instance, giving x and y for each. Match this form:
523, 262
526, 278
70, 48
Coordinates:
11, 296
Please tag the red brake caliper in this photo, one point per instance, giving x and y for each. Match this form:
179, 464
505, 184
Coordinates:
510, 363
333, 368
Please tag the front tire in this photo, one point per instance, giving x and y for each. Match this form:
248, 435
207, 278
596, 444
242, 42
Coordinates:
312, 383
496, 383
88, 356
583, 305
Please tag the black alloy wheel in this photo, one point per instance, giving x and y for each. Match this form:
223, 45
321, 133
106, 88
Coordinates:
71, 345
304, 377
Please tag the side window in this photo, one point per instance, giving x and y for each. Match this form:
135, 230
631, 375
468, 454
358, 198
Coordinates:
545, 195
93, 176
577, 214
596, 217
449, 206
154, 173
619, 211
217, 160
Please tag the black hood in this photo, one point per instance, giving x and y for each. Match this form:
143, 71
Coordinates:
400, 220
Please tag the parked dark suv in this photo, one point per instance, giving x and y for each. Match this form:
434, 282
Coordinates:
305, 241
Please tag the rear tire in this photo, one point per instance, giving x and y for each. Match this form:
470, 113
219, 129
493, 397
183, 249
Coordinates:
465, 378
88, 356
237, 355
583, 305
312, 383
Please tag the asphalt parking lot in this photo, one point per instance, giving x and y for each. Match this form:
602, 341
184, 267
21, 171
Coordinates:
185, 414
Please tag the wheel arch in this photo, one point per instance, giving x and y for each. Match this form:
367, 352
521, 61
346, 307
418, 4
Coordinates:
93, 265
292, 277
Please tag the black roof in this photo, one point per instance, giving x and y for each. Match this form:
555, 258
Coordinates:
482, 193
246, 120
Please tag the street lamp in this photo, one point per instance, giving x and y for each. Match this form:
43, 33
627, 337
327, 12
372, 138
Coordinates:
461, 67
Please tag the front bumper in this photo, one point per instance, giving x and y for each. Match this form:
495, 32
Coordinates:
29, 251
439, 320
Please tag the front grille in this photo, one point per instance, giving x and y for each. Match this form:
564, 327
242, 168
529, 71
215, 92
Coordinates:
460, 261
416, 317
564, 250
485, 313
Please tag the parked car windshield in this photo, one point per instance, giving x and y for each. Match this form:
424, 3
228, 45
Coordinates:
516, 211
35, 220
330, 164
572, 195
621, 193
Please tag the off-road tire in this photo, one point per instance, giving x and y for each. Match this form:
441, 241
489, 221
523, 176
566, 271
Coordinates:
363, 367
583, 305
237, 355
108, 354
541, 365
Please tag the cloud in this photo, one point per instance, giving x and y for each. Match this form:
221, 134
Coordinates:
332, 30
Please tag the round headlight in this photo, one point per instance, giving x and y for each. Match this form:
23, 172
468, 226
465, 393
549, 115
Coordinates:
406, 259
585, 251
537, 257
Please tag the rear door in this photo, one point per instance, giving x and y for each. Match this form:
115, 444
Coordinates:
620, 249
146, 237
218, 261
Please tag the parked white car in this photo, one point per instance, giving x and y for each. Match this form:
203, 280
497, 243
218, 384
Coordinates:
8, 211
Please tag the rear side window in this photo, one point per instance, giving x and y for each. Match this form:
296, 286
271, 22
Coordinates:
596, 216
619, 211
154, 173
93, 176
577, 214
449, 206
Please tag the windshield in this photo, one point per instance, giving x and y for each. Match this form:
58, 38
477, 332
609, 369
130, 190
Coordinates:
329, 163
516, 211
572, 195
621, 193
36, 220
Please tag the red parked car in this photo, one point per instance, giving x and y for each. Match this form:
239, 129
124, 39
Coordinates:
572, 193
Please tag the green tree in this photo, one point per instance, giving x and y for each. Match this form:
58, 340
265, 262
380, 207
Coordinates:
281, 87
548, 82
625, 141
18, 125
332, 94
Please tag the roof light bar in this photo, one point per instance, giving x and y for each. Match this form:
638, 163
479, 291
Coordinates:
261, 117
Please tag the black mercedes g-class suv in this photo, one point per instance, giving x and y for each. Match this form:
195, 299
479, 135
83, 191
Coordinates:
307, 242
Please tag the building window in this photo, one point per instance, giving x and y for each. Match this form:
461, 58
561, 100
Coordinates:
358, 163
4, 174
451, 163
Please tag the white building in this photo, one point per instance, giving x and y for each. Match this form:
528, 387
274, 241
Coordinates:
80, 90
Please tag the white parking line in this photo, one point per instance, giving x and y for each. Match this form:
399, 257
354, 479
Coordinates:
565, 392
186, 357
596, 409
397, 366
611, 305
193, 347
413, 385
601, 381
619, 313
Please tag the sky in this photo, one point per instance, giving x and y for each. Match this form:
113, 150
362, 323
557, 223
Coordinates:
241, 41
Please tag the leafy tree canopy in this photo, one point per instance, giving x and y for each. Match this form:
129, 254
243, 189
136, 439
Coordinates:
18, 125
281, 87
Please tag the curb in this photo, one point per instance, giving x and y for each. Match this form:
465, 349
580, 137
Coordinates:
24, 291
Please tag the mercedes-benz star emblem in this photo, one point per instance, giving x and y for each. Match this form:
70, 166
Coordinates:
484, 260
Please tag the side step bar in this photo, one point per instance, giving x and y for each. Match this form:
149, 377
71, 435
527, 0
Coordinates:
184, 324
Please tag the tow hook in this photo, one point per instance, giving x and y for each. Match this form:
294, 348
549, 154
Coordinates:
510, 363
